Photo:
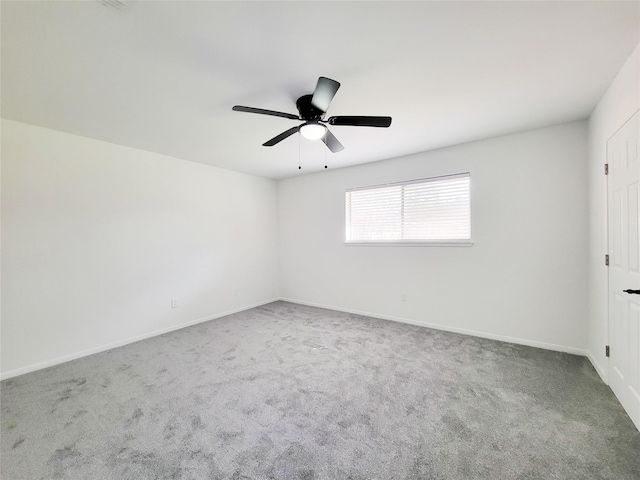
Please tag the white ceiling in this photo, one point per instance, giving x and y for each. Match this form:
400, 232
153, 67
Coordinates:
163, 76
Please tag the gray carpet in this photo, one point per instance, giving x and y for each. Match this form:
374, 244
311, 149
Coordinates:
291, 392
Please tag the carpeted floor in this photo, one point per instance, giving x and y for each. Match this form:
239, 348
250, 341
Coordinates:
286, 391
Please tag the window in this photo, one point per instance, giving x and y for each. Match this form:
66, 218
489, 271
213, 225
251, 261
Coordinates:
430, 211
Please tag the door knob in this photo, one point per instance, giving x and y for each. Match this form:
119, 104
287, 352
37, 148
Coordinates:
637, 292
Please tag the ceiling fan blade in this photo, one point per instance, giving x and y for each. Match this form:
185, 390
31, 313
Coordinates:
360, 121
325, 91
262, 111
279, 138
332, 142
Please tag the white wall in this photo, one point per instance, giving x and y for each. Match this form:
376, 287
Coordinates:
98, 238
619, 103
524, 279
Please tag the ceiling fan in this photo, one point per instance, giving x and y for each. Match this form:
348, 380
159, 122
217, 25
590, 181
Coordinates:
312, 109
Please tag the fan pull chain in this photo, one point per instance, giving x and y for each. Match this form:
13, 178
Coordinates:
325, 151
299, 166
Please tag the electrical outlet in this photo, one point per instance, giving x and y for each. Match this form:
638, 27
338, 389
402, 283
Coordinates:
403, 296
174, 303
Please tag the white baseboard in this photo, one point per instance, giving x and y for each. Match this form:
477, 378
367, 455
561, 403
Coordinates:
66, 358
474, 333
120, 343
604, 375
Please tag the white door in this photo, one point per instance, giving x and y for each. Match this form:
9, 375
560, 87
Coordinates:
623, 157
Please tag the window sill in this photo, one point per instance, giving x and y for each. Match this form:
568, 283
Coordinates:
441, 243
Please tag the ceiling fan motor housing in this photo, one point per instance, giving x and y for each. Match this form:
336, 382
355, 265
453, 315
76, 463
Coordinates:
306, 110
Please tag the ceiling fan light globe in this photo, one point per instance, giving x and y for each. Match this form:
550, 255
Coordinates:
312, 131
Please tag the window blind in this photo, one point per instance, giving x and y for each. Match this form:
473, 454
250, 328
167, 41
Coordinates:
427, 210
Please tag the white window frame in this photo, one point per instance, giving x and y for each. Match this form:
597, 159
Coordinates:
399, 242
